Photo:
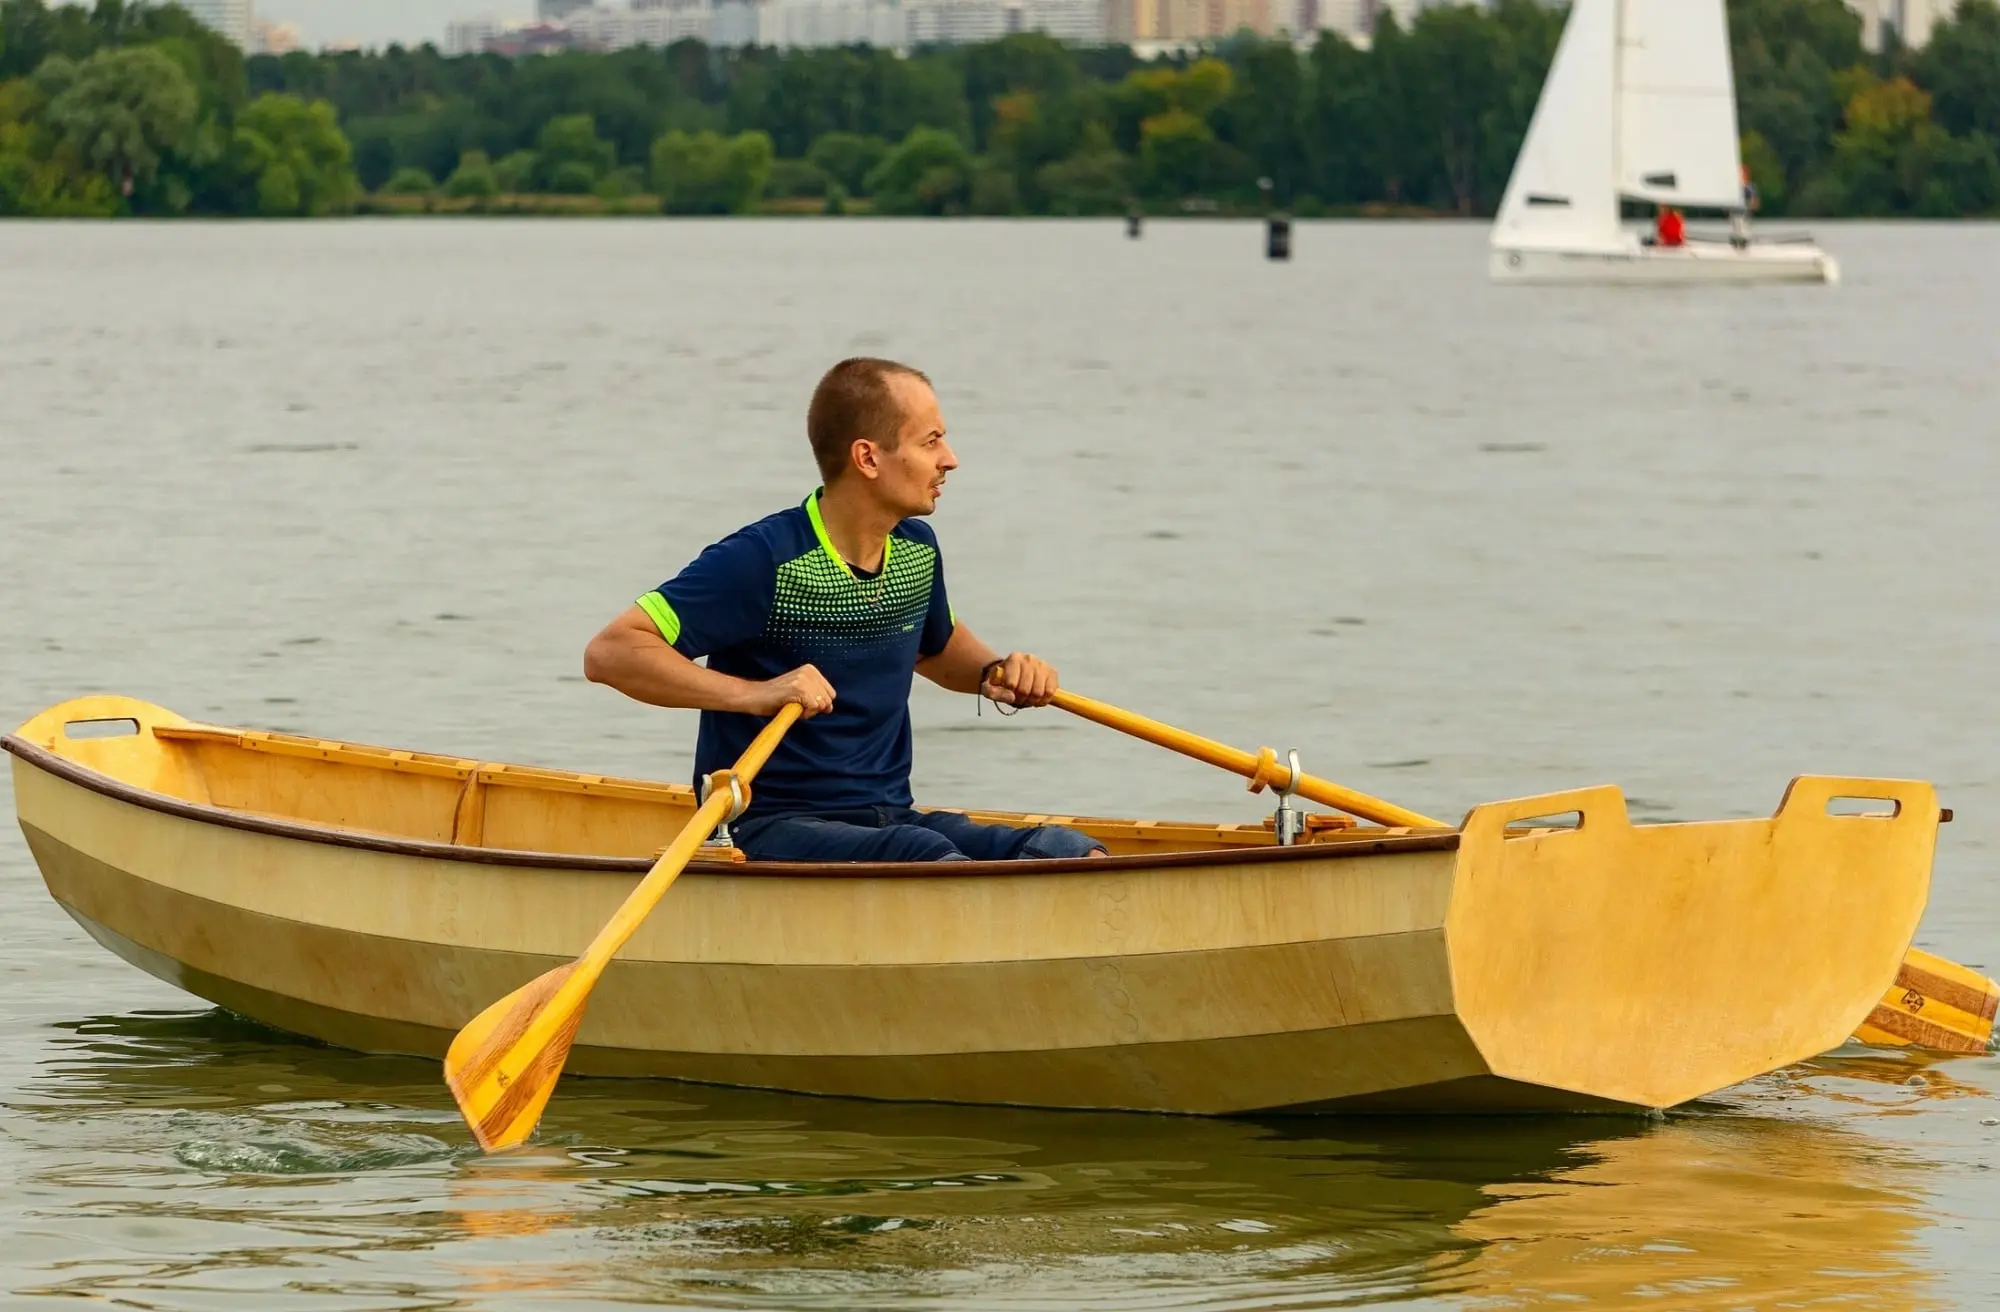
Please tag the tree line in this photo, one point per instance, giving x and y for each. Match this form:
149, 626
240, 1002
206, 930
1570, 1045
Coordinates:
131, 108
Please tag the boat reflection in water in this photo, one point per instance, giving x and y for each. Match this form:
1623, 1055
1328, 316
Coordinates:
352, 1168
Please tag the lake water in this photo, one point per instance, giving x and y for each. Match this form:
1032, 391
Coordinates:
381, 480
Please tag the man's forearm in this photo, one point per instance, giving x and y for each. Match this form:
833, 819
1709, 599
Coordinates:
660, 676
961, 666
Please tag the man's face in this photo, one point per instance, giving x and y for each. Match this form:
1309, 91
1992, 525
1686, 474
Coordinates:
910, 477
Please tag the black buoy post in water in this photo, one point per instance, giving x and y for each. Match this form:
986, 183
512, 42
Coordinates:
1135, 217
1277, 227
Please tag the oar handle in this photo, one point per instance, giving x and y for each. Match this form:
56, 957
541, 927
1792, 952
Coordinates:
760, 748
1256, 768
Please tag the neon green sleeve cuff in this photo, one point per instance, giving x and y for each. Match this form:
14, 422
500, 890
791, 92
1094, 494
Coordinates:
662, 615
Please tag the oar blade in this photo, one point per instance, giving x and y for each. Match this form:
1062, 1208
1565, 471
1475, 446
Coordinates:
500, 1085
1935, 1004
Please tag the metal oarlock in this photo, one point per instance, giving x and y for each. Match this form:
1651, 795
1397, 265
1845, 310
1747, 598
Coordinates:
739, 802
1288, 821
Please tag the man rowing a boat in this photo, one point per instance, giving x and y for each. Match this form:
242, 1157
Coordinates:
833, 604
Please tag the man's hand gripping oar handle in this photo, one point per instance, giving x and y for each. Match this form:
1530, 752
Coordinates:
1260, 769
504, 1064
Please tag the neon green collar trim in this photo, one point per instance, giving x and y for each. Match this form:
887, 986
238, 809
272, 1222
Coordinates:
826, 543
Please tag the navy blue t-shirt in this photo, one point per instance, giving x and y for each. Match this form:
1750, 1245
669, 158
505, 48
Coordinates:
777, 595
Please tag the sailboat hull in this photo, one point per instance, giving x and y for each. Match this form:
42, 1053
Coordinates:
1697, 262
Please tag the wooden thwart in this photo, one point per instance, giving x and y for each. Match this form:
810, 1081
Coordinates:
504, 1064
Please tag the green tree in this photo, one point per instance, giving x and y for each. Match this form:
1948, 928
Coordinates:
621, 183
410, 181
40, 176
516, 172
1264, 115
1767, 172
572, 177
707, 173
569, 155
120, 110
1095, 180
929, 172
794, 179
1785, 53
474, 176
1961, 69
31, 31
292, 159
1033, 63
1175, 154
1338, 120
1890, 157
994, 189
848, 158
1457, 65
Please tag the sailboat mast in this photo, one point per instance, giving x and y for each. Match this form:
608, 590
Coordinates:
1617, 119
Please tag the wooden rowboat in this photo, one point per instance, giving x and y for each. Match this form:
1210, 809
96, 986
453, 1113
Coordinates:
378, 899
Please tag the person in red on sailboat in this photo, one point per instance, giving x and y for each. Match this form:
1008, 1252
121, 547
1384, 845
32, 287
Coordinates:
1670, 229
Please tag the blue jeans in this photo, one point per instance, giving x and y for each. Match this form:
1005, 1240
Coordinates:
897, 833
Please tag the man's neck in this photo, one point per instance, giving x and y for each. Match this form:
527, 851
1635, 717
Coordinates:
856, 524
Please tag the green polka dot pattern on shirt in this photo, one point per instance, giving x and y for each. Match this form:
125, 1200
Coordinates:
820, 607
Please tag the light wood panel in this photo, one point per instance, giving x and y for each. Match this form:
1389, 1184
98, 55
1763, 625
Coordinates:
1656, 963
1206, 1031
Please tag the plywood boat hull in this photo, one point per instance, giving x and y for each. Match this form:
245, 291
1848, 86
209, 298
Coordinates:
317, 887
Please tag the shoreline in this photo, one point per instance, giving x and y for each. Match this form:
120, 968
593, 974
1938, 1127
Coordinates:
541, 205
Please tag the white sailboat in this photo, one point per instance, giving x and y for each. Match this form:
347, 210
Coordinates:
1640, 104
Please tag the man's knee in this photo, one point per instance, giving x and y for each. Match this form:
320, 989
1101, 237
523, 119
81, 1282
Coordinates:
914, 843
1059, 841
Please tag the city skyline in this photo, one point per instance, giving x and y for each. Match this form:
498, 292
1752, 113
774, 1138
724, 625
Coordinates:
374, 23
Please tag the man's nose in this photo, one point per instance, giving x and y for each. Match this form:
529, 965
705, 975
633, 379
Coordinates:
950, 459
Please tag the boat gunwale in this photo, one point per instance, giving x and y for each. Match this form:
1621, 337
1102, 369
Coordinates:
117, 789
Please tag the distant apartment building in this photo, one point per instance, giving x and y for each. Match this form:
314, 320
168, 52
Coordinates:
234, 19
471, 36
1194, 22
795, 24
655, 23
1912, 20
1079, 22
275, 39
790, 24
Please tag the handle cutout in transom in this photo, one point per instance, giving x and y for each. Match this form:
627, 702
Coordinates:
1843, 805
1553, 820
121, 726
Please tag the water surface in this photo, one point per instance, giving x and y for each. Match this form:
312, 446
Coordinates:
381, 480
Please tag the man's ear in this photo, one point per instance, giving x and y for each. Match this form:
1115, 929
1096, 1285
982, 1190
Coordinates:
866, 458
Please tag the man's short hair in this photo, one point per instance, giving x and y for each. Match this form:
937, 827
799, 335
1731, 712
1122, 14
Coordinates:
853, 401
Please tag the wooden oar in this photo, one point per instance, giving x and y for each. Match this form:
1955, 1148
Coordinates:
1261, 770
1934, 1003
503, 1065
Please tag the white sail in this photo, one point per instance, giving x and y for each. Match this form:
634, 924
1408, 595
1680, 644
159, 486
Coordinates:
1563, 193
1676, 108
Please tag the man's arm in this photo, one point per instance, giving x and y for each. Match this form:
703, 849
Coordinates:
1024, 680
630, 655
